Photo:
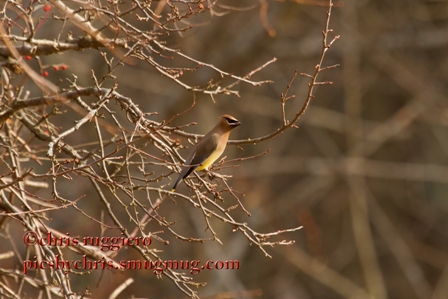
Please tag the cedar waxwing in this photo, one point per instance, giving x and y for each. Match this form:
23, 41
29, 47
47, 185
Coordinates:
209, 149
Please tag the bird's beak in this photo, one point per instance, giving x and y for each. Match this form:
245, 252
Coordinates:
236, 124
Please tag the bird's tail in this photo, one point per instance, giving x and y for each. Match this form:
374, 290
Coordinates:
176, 183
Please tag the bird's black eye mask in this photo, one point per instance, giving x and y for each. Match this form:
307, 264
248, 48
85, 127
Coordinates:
232, 121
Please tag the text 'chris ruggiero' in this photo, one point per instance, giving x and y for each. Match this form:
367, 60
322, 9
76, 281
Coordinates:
31, 238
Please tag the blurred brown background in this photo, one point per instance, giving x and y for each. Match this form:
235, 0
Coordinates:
366, 173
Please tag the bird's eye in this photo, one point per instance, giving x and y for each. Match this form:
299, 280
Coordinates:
231, 120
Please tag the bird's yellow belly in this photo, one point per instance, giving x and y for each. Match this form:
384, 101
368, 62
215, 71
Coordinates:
210, 160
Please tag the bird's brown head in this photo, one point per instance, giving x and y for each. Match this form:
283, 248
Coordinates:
229, 122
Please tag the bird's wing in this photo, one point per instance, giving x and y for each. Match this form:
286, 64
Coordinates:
199, 155
204, 150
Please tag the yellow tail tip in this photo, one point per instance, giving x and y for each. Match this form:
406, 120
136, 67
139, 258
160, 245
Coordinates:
172, 190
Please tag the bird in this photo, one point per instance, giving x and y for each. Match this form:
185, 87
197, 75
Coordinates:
209, 149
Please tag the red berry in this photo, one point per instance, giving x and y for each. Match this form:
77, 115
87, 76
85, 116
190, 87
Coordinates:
56, 68
47, 7
63, 67
45, 73
28, 57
